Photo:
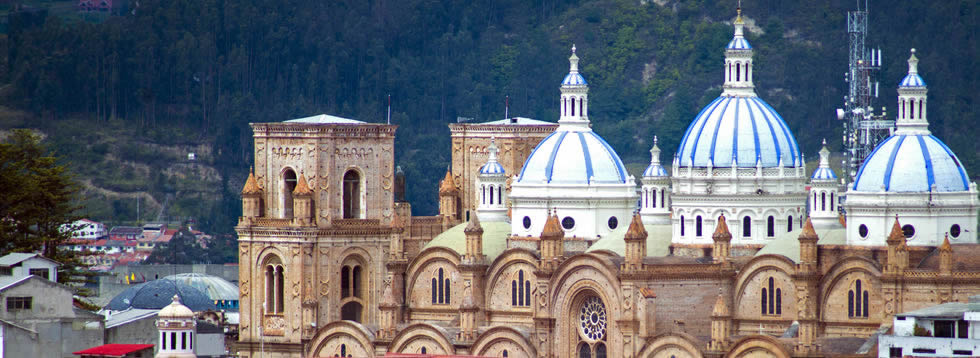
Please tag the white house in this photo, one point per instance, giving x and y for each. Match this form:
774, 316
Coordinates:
946, 330
18, 265
85, 229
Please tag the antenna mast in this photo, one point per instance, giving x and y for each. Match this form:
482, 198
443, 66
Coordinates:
863, 129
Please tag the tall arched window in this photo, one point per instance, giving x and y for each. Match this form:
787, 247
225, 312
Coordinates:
823, 201
654, 193
581, 107
682, 225
351, 290
738, 72
274, 281
352, 195
920, 108
857, 301
662, 195
771, 226
772, 299
500, 195
483, 194
789, 223
564, 106
746, 226
697, 226
288, 184
491, 195
831, 201
350, 281
912, 109
573, 106
520, 291
440, 288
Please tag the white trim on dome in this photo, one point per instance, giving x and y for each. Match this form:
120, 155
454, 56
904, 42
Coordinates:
325, 119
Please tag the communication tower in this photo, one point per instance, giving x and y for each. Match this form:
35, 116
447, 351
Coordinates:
863, 129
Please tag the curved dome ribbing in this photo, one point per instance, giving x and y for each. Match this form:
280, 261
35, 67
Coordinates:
573, 157
738, 128
911, 163
157, 294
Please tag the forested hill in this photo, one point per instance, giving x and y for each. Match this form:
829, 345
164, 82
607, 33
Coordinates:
197, 72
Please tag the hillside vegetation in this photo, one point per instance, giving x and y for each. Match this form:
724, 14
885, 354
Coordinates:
128, 97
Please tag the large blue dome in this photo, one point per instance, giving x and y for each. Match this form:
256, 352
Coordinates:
572, 157
157, 294
911, 163
739, 128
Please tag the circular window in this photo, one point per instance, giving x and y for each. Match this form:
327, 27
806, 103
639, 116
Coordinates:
527, 222
954, 230
908, 231
593, 319
613, 223
863, 231
568, 223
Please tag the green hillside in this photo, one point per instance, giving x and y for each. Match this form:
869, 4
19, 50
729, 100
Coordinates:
128, 97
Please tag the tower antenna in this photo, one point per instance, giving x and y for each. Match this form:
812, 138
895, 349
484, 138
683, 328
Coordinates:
507, 107
389, 108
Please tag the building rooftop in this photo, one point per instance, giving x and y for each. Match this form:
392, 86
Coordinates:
17, 257
114, 350
325, 119
945, 310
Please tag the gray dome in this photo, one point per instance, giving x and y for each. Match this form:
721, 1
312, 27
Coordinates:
215, 287
158, 294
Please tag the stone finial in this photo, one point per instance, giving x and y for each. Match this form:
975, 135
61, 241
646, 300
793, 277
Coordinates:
552, 228
945, 247
251, 185
302, 187
721, 231
636, 231
808, 234
474, 226
896, 236
448, 186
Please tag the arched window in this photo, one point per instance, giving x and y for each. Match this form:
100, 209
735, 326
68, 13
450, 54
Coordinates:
440, 288
491, 195
274, 291
682, 225
581, 107
831, 201
288, 184
662, 195
771, 226
350, 281
654, 193
697, 226
500, 195
483, 194
729, 72
345, 282
857, 301
520, 291
912, 109
738, 72
789, 223
352, 195
823, 201
584, 351
573, 106
351, 311
920, 108
423, 351
504, 353
772, 299
356, 281
564, 106
646, 198
746, 226
592, 324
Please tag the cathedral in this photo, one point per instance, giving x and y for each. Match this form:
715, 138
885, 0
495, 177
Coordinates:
546, 246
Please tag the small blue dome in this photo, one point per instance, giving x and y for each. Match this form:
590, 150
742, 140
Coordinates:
911, 163
739, 43
824, 174
912, 80
572, 157
738, 128
157, 294
655, 170
492, 168
574, 79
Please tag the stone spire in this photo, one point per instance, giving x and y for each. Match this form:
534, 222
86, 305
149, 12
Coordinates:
251, 199
574, 99
808, 248
723, 240
946, 257
251, 185
552, 243
636, 244
720, 324
474, 241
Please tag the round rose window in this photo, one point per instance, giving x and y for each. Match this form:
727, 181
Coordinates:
593, 319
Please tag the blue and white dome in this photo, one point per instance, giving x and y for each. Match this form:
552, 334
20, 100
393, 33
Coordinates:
655, 170
911, 163
739, 43
573, 157
492, 167
740, 130
574, 79
912, 159
824, 174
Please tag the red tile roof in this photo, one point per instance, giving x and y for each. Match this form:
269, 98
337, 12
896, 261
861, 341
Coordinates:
114, 350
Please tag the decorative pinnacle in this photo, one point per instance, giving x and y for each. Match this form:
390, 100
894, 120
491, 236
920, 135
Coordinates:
913, 63
573, 49
573, 61
655, 152
492, 150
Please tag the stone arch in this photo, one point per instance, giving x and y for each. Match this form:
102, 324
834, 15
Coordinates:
758, 346
674, 344
285, 200
754, 277
354, 336
499, 274
576, 279
492, 343
353, 276
412, 338
418, 277
836, 283
353, 196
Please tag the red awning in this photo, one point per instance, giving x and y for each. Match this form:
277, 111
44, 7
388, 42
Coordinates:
114, 350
